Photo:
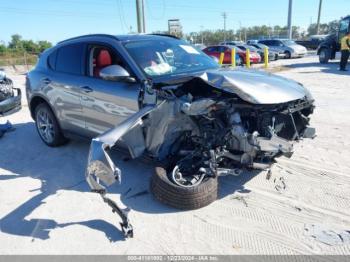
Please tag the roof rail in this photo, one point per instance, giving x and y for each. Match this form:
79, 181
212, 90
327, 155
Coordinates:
168, 35
82, 36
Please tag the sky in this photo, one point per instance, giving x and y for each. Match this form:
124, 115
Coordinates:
56, 20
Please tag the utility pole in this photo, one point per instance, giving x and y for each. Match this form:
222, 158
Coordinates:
240, 31
319, 17
140, 13
202, 33
290, 28
224, 15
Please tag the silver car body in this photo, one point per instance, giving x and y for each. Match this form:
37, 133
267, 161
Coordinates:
147, 116
285, 46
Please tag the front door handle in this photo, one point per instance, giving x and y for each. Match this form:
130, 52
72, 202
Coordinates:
87, 89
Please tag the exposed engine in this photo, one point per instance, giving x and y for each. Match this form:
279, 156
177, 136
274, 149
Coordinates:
6, 87
219, 133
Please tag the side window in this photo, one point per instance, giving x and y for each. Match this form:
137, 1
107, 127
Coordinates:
212, 49
222, 49
266, 42
100, 56
70, 59
279, 43
51, 60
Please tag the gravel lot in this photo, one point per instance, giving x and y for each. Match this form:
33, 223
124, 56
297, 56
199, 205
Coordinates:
46, 206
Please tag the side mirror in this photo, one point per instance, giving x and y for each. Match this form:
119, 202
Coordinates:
115, 73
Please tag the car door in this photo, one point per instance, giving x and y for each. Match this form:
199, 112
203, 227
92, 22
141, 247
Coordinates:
106, 103
62, 85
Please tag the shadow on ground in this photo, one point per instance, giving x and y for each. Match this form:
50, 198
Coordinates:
329, 68
24, 155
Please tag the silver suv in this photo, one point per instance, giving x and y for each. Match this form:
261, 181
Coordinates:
159, 96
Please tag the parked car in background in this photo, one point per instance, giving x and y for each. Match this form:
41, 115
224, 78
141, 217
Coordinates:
272, 55
288, 47
252, 41
313, 42
10, 97
331, 45
200, 46
233, 42
215, 51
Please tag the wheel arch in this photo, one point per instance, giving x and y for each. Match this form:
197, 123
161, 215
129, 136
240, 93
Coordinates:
37, 100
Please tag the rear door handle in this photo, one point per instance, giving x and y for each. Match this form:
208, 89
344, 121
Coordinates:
87, 89
46, 81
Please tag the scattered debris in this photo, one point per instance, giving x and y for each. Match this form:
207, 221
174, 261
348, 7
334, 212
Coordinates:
280, 184
298, 208
327, 236
268, 174
7, 127
241, 198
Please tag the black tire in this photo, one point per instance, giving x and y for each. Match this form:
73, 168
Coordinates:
58, 138
186, 198
288, 54
324, 55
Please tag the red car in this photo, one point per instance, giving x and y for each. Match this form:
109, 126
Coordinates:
215, 51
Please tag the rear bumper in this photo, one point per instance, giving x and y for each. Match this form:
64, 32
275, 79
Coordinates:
12, 104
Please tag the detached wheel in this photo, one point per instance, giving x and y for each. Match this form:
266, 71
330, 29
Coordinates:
47, 126
183, 197
324, 56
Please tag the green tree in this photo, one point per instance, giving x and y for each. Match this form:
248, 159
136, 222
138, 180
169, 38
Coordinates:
16, 42
42, 45
2, 48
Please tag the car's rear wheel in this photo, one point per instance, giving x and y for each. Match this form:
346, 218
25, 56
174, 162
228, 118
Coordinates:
187, 197
324, 56
47, 126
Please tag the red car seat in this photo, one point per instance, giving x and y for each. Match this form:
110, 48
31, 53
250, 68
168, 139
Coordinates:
103, 59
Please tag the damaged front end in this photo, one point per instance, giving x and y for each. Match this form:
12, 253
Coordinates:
10, 97
102, 172
208, 126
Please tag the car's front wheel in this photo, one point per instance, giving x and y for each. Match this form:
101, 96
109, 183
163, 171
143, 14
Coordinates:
288, 55
47, 126
183, 194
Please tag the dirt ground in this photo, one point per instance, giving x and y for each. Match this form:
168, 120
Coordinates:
303, 208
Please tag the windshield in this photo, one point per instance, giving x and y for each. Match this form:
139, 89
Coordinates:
251, 48
168, 57
288, 42
261, 46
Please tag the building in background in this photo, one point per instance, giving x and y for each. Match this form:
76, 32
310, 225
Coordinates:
175, 27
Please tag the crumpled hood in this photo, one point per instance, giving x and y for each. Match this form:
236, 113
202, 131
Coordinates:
256, 87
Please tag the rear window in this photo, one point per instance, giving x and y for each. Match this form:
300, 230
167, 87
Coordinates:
52, 60
70, 59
